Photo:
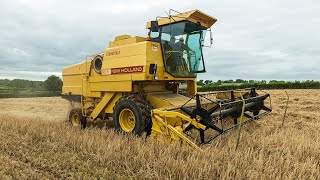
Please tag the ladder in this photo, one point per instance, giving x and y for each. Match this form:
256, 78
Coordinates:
84, 91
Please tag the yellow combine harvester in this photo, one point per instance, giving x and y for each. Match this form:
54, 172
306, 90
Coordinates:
135, 81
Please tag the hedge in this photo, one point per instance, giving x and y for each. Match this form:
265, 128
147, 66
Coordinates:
278, 85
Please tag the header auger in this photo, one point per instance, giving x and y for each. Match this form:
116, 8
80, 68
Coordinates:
135, 81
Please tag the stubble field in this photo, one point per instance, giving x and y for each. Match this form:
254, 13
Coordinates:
36, 142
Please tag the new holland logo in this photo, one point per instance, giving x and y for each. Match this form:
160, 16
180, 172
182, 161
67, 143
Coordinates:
124, 70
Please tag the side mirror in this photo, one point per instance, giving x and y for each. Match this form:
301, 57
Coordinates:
211, 38
207, 42
154, 26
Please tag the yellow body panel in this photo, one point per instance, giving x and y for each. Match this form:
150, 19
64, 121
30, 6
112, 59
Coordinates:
125, 39
74, 78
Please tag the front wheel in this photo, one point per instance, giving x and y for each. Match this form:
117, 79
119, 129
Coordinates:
131, 115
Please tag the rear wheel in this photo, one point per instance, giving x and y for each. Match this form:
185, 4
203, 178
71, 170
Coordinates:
131, 114
76, 119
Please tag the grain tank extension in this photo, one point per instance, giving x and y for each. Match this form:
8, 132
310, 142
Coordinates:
135, 82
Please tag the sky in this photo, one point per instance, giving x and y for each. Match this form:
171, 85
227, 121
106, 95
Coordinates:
253, 39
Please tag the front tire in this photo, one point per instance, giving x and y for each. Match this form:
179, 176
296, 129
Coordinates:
132, 115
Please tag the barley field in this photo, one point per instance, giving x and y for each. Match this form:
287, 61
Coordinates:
36, 142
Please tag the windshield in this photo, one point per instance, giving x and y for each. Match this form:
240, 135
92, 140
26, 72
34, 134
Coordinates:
182, 48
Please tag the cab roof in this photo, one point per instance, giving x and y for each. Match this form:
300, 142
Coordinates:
195, 16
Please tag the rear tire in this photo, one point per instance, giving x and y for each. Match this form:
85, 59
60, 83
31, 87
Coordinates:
76, 119
131, 114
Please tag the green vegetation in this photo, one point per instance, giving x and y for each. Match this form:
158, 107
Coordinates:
25, 88
241, 84
53, 83
52, 86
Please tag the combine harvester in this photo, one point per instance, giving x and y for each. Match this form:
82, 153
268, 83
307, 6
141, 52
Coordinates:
136, 83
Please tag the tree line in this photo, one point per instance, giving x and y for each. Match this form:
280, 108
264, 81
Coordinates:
52, 83
205, 85
18, 88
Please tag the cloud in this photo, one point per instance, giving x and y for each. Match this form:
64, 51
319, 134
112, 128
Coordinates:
252, 40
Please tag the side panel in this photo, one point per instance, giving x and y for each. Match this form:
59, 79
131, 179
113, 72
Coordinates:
123, 56
74, 78
117, 86
120, 60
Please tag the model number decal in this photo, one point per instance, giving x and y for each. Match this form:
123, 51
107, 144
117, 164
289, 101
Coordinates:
124, 70
112, 52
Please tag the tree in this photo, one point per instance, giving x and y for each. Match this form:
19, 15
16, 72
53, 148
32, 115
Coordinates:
20, 83
228, 81
206, 82
53, 83
240, 81
200, 83
4, 82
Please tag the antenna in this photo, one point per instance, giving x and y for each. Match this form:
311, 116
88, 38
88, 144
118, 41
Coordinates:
167, 13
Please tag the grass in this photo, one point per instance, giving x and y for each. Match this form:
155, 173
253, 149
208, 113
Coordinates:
36, 142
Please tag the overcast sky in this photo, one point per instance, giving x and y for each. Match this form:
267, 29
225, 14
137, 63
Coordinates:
265, 39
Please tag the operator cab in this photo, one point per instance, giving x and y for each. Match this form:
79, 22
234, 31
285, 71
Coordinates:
182, 37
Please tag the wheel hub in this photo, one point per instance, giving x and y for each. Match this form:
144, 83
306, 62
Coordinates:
127, 120
75, 120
